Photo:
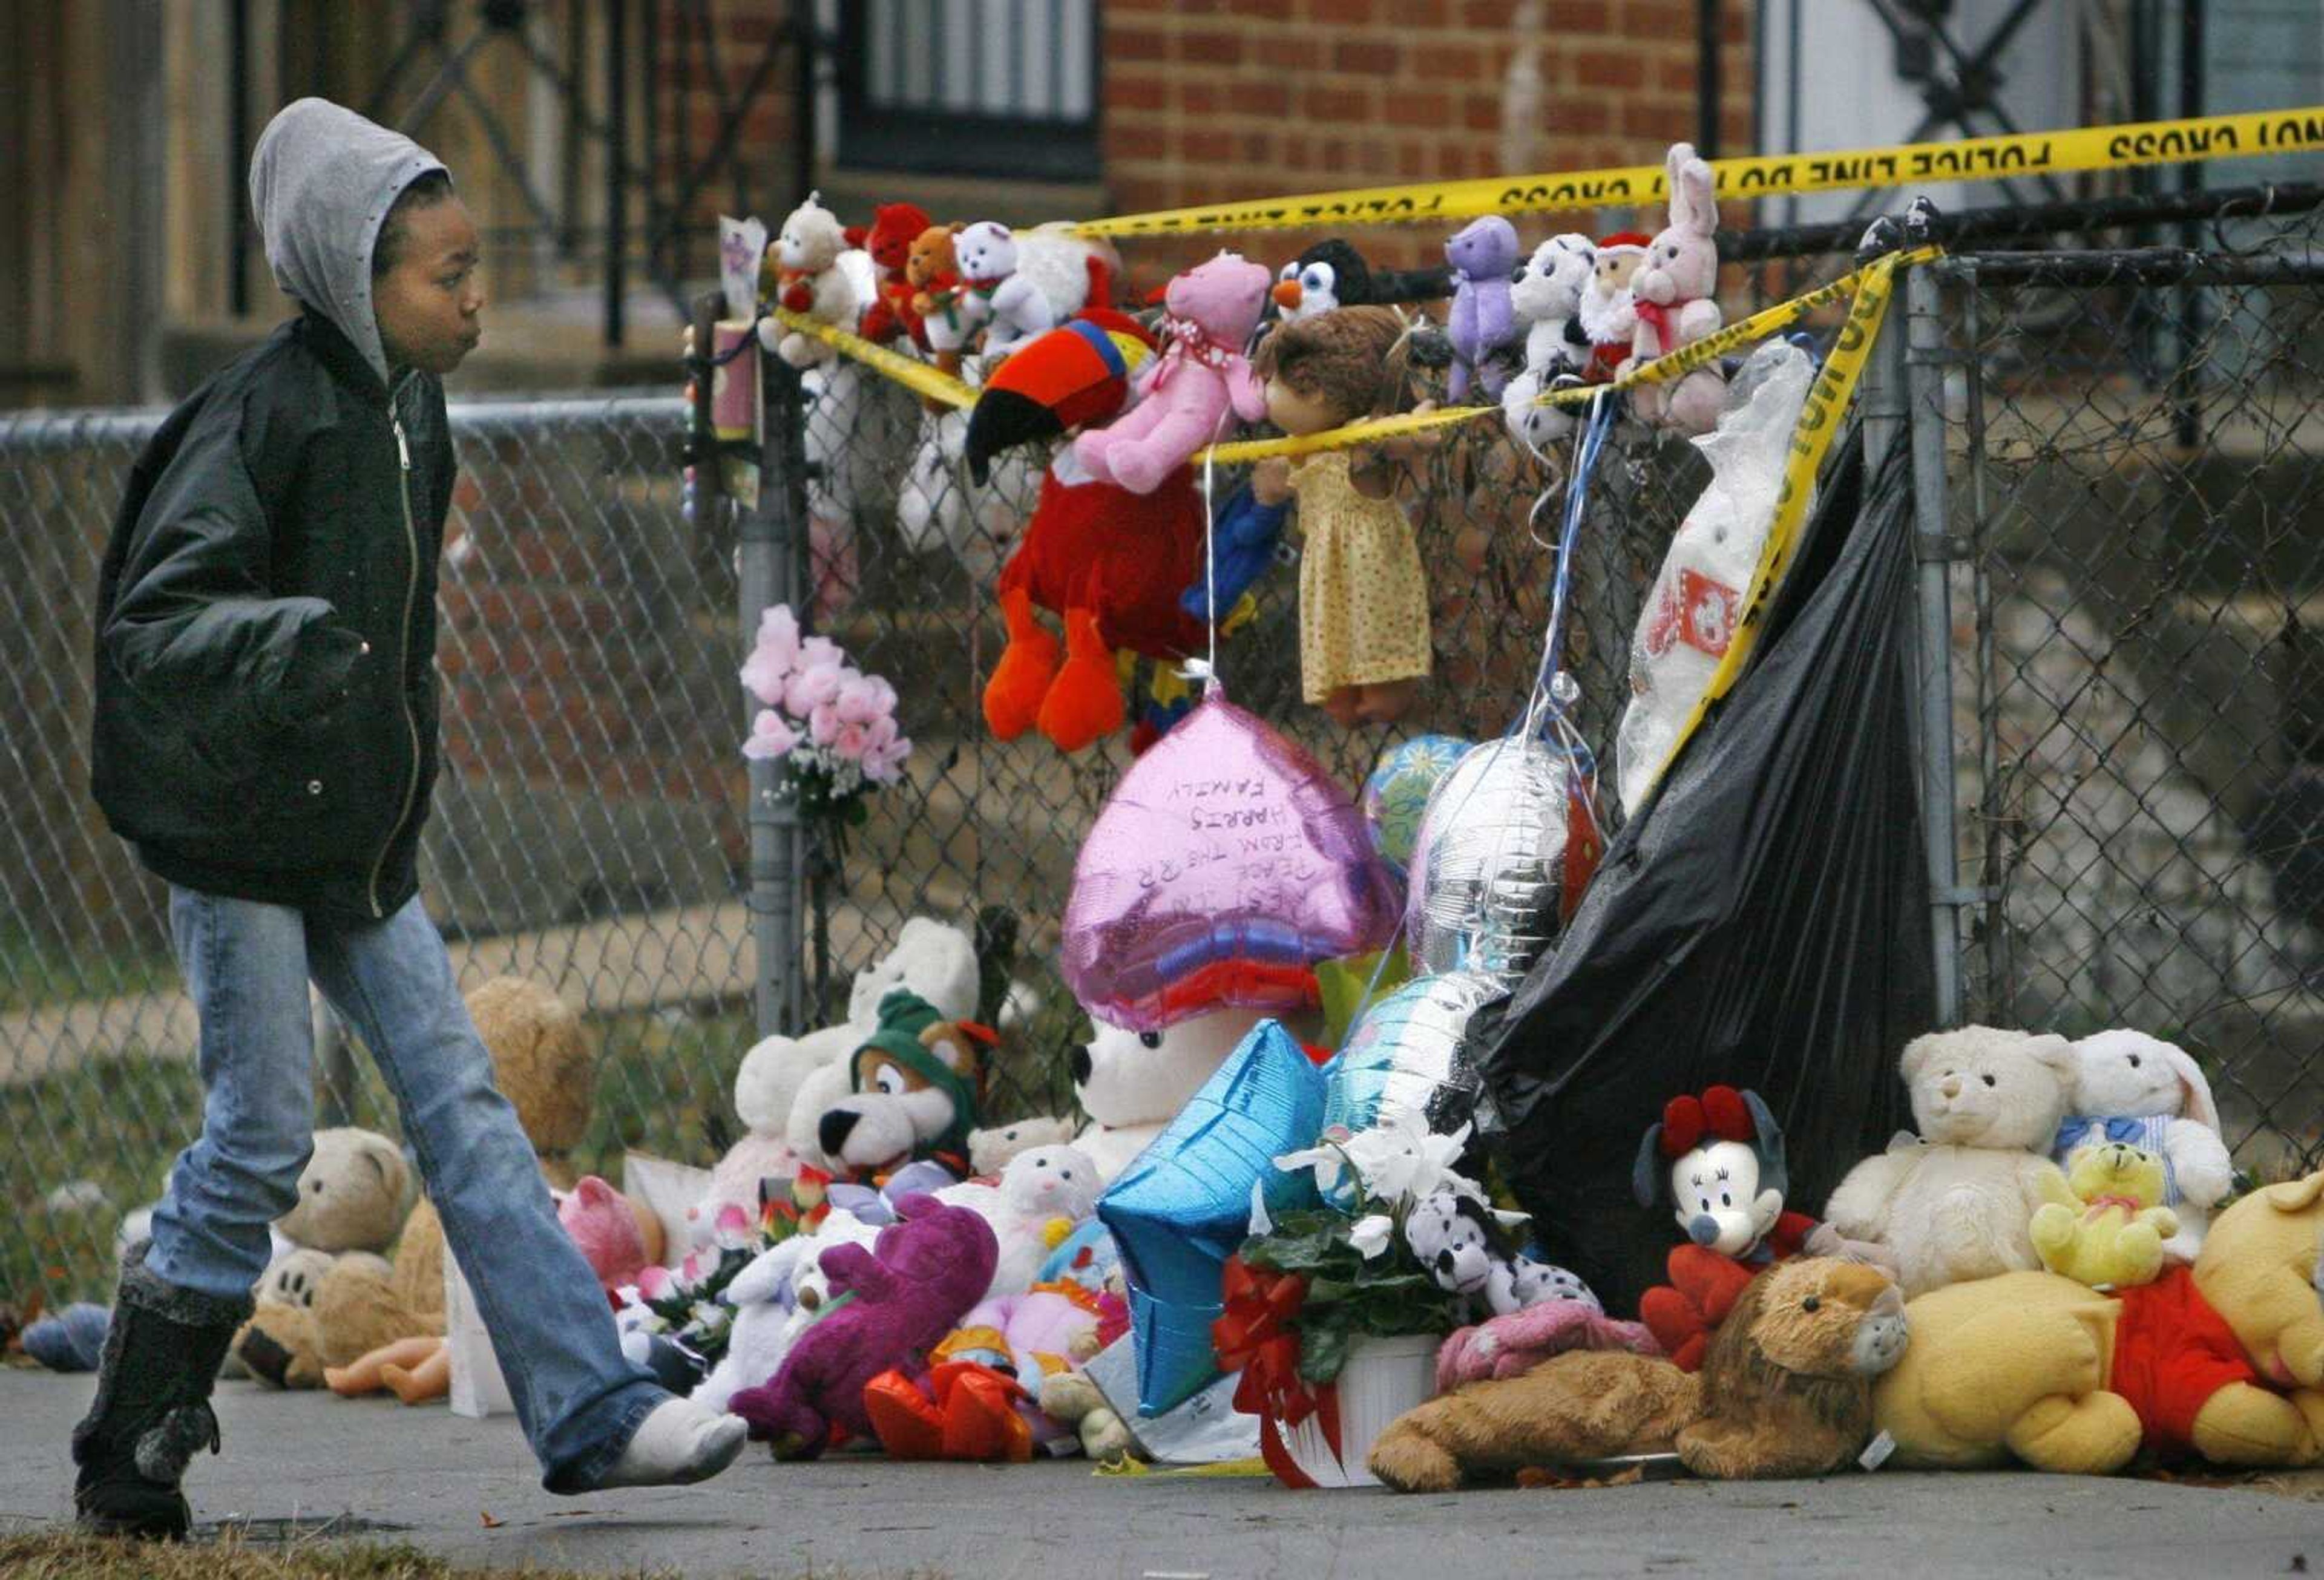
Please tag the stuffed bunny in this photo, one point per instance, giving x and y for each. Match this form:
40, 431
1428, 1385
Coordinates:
1673, 294
2129, 1087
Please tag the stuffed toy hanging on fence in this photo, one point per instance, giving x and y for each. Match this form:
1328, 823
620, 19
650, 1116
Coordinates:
1363, 594
1109, 562
809, 279
1672, 296
1483, 256
895, 227
1188, 392
945, 307
1546, 298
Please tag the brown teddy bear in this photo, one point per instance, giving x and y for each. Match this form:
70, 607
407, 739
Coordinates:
939, 297
2225, 1361
1786, 1391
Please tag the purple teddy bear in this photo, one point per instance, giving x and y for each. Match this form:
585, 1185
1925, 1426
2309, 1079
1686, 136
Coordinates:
1483, 257
900, 1297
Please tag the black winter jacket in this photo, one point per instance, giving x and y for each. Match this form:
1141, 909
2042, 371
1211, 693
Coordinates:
265, 683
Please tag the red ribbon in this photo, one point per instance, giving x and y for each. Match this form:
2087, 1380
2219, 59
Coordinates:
1658, 314
1253, 1335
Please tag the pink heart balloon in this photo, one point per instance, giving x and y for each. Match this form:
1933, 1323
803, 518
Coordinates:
1225, 863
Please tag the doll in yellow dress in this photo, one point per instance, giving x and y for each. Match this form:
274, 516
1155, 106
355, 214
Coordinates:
1363, 597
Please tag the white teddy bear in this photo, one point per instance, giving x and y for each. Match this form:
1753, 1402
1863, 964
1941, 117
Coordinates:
1043, 1193
1015, 308
993, 1149
1954, 1204
810, 280
2134, 1087
1131, 1084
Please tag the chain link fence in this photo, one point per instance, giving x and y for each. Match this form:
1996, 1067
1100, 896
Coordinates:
2134, 444
2125, 520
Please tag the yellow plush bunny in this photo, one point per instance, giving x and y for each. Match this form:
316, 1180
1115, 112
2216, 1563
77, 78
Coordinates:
2108, 1232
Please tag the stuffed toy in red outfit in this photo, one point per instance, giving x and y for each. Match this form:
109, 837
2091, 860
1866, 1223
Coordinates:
1108, 562
1721, 1155
895, 227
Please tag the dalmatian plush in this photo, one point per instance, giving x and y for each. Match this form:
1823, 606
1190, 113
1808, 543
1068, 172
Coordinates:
1459, 1241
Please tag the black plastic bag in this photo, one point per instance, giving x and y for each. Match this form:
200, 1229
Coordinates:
1764, 924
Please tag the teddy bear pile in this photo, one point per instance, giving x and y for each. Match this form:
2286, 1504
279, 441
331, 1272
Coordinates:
2052, 1270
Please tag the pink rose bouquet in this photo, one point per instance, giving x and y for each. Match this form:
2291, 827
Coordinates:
831, 729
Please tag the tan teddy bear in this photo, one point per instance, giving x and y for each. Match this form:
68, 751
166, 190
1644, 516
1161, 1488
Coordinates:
352, 1197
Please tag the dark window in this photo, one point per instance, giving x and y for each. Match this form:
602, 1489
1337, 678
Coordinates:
970, 87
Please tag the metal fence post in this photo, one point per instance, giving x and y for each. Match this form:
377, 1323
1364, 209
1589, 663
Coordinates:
1921, 356
771, 553
1903, 394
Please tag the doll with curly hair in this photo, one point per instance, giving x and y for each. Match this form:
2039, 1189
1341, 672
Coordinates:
1363, 598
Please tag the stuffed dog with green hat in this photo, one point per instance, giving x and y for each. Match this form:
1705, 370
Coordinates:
914, 1086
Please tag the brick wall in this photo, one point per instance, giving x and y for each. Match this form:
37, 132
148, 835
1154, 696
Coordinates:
1244, 98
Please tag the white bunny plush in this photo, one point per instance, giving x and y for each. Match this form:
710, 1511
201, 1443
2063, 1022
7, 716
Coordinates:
1546, 298
1673, 295
2134, 1087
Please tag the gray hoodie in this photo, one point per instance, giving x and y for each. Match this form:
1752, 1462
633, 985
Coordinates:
321, 181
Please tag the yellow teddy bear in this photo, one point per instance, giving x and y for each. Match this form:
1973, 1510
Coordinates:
2108, 1233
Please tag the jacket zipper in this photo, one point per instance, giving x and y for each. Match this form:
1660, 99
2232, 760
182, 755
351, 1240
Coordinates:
403, 641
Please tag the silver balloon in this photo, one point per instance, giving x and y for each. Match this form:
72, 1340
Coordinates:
1488, 865
1407, 1060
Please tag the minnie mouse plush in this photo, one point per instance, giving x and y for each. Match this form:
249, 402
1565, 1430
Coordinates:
1721, 1157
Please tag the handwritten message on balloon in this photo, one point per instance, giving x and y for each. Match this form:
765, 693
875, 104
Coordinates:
1225, 863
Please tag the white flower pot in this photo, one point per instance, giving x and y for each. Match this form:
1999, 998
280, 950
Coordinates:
1383, 1378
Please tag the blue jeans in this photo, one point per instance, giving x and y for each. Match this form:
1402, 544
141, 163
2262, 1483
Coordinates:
246, 966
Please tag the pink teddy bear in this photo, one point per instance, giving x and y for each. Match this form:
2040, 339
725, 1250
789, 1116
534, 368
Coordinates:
1186, 392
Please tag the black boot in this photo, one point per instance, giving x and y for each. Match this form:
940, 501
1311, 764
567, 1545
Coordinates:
152, 1408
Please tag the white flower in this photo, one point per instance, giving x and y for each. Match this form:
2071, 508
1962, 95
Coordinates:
1326, 1160
1407, 1162
1372, 1235
1261, 1223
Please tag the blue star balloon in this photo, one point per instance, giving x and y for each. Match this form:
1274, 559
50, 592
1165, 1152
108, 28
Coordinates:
1183, 1206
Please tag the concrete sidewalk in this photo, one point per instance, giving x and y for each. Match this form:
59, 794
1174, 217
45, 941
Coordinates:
427, 1477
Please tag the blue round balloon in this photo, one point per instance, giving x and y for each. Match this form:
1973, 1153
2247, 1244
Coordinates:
1395, 795
1407, 1061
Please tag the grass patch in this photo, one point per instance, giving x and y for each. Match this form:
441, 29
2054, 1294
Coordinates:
36, 968
68, 1555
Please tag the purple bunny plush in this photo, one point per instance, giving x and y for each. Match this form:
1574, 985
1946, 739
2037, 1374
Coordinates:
911, 1289
1484, 256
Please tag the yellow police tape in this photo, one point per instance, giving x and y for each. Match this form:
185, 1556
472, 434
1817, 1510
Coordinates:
1819, 419
1743, 332
917, 376
2032, 154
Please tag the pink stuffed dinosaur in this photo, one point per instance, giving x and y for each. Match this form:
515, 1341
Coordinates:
1511, 1346
922, 1274
1187, 392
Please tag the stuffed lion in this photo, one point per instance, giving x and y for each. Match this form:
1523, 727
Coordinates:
1786, 1391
